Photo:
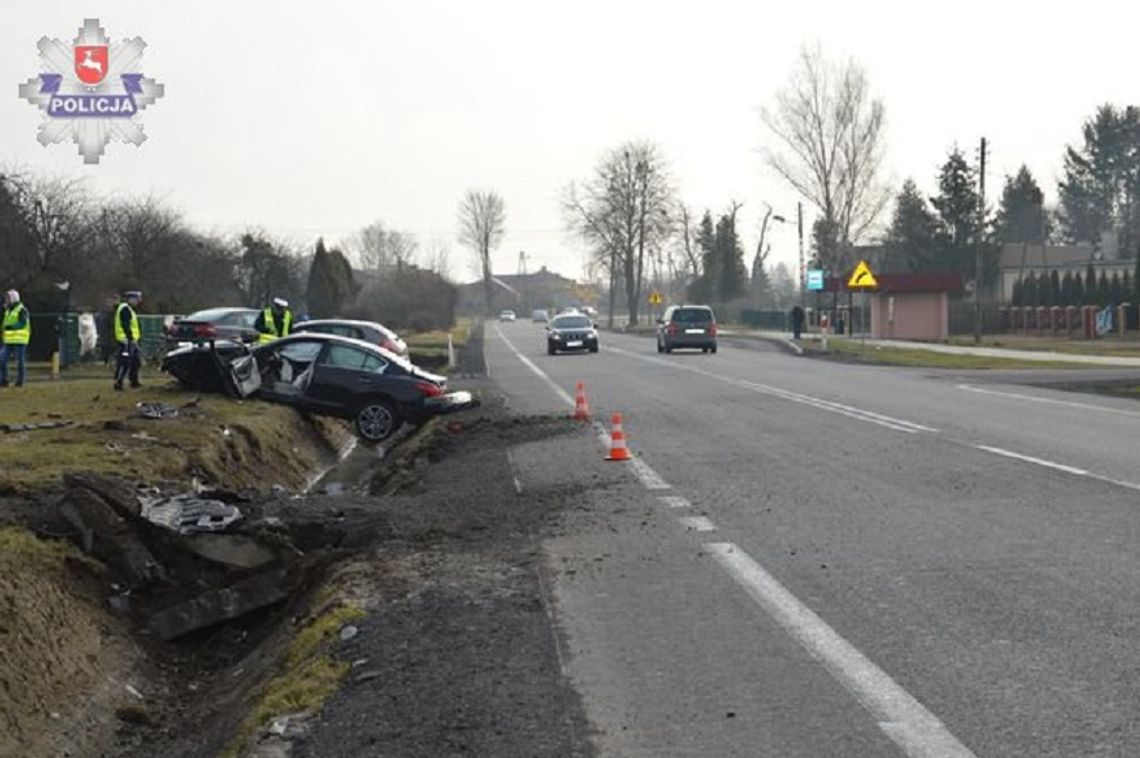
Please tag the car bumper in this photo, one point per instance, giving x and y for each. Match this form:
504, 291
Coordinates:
563, 347
690, 340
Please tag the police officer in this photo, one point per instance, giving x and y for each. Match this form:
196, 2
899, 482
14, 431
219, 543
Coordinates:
275, 322
17, 323
127, 333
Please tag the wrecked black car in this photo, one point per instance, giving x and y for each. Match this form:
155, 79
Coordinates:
323, 374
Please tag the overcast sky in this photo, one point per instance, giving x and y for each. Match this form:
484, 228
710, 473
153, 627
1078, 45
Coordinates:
314, 118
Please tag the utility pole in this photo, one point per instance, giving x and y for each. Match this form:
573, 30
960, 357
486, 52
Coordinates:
978, 247
800, 230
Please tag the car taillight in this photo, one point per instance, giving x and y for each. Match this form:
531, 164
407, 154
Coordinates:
427, 389
205, 330
712, 330
671, 329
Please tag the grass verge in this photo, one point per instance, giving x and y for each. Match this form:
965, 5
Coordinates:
854, 351
1128, 347
248, 445
308, 675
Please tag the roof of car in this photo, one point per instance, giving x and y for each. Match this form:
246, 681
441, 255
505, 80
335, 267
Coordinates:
336, 338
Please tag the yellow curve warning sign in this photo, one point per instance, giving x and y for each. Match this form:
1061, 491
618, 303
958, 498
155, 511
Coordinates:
862, 278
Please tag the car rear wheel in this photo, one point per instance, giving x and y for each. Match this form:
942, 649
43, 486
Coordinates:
376, 421
712, 349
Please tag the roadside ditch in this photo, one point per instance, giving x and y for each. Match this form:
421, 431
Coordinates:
402, 586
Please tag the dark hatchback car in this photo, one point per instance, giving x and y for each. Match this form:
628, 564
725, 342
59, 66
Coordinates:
323, 374
234, 324
571, 331
687, 326
368, 331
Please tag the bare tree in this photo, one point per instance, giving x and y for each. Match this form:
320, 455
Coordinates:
437, 258
830, 135
482, 224
378, 247
622, 212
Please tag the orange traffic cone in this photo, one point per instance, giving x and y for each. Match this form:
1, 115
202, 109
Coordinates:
618, 450
581, 407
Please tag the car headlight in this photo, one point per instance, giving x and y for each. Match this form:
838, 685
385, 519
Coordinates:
557, 336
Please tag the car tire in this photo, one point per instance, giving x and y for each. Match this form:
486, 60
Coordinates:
668, 349
712, 349
704, 350
376, 421
593, 348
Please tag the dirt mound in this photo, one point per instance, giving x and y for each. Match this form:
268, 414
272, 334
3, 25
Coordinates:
67, 660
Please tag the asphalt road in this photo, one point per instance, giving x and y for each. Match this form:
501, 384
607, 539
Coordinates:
817, 559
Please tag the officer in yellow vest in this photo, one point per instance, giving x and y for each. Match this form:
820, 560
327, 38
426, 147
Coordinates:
17, 323
127, 334
275, 322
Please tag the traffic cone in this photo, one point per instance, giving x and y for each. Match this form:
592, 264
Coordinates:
618, 450
581, 407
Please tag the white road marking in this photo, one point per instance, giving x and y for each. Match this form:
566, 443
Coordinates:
697, 523
901, 717
674, 501
537, 371
1050, 401
826, 405
649, 478
1058, 467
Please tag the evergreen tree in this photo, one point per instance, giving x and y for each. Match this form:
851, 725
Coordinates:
1099, 191
1079, 295
1029, 290
1021, 213
825, 246
1129, 294
957, 205
319, 295
730, 259
1017, 296
910, 239
1090, 286
1102, 290
1054, 289
703, 290
1068, 295
1115, 290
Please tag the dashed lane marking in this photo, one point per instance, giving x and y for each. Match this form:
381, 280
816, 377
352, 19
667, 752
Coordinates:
697, 523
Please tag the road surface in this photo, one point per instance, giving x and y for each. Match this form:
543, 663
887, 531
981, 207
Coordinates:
817, 559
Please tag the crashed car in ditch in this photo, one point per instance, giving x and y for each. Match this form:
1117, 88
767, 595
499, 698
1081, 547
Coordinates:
322, 374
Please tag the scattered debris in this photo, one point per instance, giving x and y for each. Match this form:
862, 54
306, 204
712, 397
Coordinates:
347, 632
188, 513
367, 676
234, 550
155, 410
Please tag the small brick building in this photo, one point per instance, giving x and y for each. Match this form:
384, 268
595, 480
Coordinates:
913, 306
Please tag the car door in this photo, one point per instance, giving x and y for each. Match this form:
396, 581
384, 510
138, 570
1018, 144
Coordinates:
345, 375
287, 367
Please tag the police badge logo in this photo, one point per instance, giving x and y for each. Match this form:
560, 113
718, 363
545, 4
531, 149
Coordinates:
92, 94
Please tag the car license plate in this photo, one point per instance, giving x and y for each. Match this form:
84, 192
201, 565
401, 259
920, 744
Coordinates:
574, 343
694, 331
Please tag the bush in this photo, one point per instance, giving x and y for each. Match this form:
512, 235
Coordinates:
408, 298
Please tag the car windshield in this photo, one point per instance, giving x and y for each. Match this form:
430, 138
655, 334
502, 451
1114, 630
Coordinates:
571, 322
692, 315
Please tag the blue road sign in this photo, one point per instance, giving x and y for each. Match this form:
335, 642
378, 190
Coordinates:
815, 279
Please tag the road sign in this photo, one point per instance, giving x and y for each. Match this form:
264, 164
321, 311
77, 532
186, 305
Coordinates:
862, 278
815, 279
656, 298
